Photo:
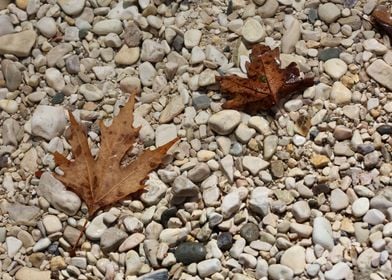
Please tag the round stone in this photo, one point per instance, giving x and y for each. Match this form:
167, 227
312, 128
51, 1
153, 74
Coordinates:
47, 27
253, 31
190, 252
360, 206
225, 121
384, 129
335, 68
225, 241
250, 232
91, 92
329, 12
52, 224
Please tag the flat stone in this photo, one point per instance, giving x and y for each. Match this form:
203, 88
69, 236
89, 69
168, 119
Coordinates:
26, 273
294, 257
152, 51
127, 56
280, 272
57, 53
250, 232
183, 187
147, 73
381, 72
131, 242
19, 44
375, 46
54, 79
192, 38
208, 267
96, 228
335, 68
225, 121
47, 27
173, 236
52, 224
132, 35
338, 200
328, 12
13, 246
111, 239
301, 211
6, 26
339, 271
340, 94
230, 204
291, 36
164, 134
374, 217
57, 195
71, 7
252, 31
322, 233
270, 145
48, 121
160, 274
12, 74
173, 108
23, 214
107, 26
254, 164
91, 92
259, 201
190, 252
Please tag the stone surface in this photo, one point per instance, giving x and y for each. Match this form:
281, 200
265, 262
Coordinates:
322, 233
224, 121
19, 44
190, 252
380, 71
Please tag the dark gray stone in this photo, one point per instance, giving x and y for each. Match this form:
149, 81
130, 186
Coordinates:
384, 129
190, 252
167, 214
365, 148
312, 16
160, 274
201, 102
250, 232
329, 53
225, 241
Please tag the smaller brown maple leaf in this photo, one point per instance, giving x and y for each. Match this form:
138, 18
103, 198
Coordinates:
104, 181
266, 84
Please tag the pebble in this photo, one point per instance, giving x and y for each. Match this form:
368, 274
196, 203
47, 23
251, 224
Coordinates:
173, 108
270, 145
360, 206
9, 106
384, 129
208, 267
250, 232
374, 217
252, 31
52, 224
152, 51
147, 73
225, 241
294, 258
56, 194
54, 79
96, 228
111, 239
127, 56
322, 233
380, 71
91, 92
225, 121
280, 272
172, 236
131, 242
339, 271
19, 44
335, 68
374, 46
47, 27
291, 36
338, 200
340, 94
254, 164
190, 252
192, 38
328, 12
301, 211
13, 246
104, 27
71, 7
164, 134
26, 273
259, 201
6, 26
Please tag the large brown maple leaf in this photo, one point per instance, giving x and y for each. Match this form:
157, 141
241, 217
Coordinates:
266, 84
103, 181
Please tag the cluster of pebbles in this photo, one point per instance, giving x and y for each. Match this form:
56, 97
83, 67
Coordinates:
302, 192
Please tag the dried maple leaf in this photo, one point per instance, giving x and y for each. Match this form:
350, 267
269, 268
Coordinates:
383, 18
103, 181
266, 84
